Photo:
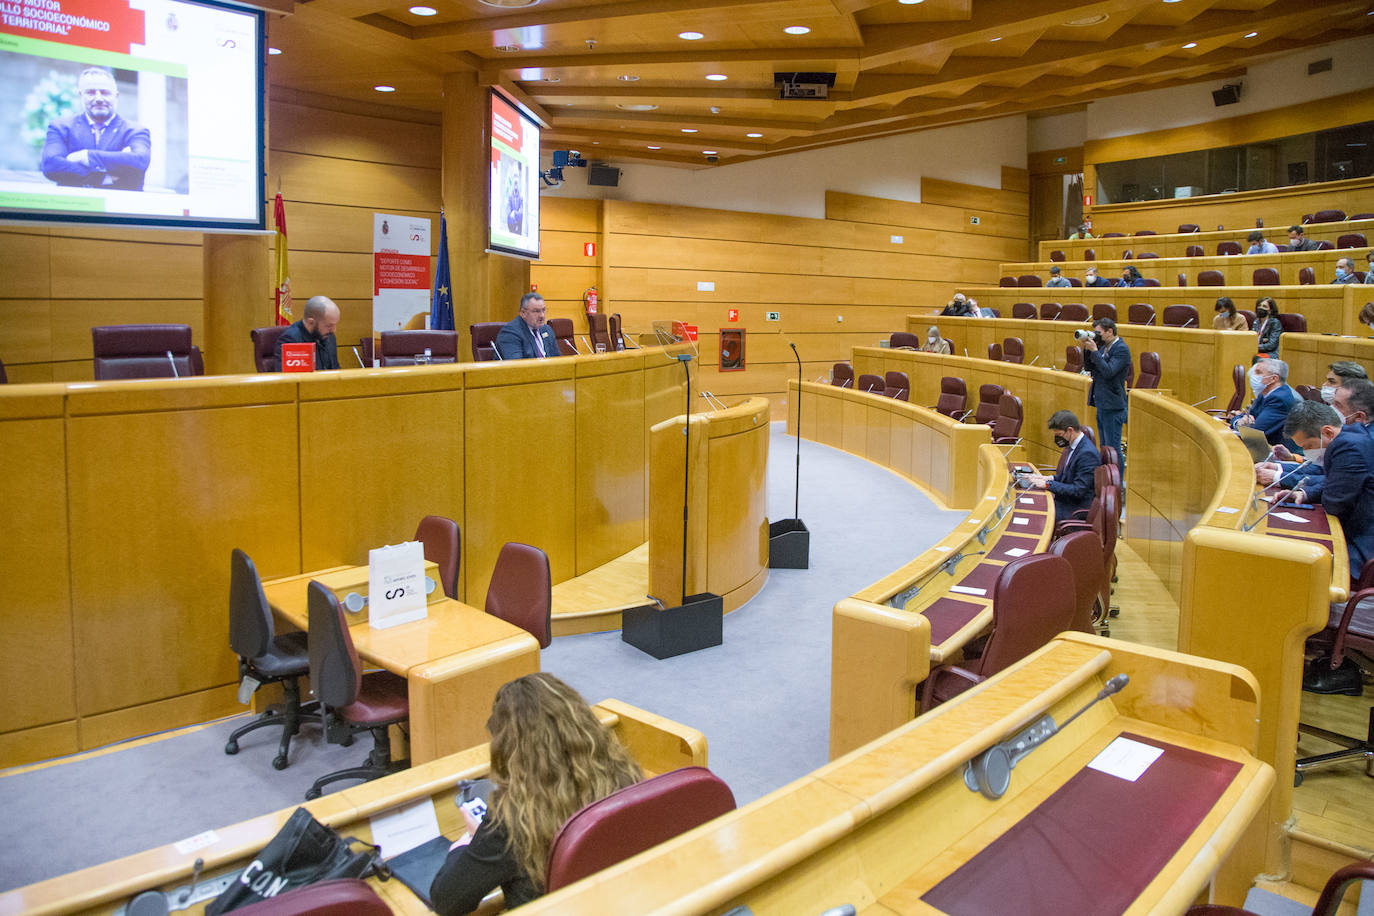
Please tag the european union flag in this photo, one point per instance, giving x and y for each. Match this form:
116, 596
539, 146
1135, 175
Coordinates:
441, 299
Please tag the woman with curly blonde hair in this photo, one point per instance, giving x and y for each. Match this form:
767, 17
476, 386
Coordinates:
550, 758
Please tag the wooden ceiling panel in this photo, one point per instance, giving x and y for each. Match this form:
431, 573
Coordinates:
891, 12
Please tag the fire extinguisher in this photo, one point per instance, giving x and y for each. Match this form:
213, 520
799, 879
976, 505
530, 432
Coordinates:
589, 300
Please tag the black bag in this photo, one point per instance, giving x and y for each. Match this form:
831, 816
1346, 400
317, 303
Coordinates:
303, 852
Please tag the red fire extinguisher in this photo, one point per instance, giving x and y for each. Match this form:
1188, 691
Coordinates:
589, 300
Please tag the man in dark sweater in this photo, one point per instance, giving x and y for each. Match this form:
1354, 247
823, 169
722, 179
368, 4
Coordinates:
317, 327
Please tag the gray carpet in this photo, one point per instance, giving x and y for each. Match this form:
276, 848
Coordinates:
762, 699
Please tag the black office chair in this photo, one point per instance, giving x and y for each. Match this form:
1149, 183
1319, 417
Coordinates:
351, 701
266, 658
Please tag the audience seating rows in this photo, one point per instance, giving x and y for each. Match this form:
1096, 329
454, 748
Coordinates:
1111, 246
1293, 268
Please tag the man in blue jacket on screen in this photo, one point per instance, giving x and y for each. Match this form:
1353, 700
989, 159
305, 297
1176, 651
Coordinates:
97, 148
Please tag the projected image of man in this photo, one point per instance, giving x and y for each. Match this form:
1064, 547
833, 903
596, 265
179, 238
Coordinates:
97, 148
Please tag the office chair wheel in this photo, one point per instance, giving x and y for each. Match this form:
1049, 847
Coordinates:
280, 762
346, 742
312, 793
231, 748
1297, 778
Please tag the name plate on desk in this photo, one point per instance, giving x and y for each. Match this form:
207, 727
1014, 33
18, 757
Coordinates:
396, 585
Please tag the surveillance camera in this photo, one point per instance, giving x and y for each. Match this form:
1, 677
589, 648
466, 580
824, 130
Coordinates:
712, 158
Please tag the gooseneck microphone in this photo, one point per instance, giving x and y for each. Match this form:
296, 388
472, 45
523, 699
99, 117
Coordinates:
1275, 504
1188, 322
1204, 401
173, 363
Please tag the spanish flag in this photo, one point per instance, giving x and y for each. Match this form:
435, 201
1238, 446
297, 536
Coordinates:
284, 314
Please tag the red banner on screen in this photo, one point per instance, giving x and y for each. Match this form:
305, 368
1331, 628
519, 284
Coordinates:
399, 271
506, 125
97, 24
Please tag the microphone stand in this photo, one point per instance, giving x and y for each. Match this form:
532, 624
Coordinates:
789, 540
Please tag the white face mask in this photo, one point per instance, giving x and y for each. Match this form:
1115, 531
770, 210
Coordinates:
932, 338
1328, 393
1256, 384
1314, 454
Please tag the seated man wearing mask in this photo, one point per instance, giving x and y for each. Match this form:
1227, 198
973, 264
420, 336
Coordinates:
1072, 484
959, 307
934, 342
1091, 278
1273, 399
1354, 401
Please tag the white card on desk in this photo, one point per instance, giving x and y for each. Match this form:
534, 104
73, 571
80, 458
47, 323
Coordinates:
1020, 521
1288, 517
966, 590
942, 548
1227, 509
1017, 552
1026, 501
1125, 759
404, 828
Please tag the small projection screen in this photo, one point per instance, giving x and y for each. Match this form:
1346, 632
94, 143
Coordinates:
513, 204
132, 112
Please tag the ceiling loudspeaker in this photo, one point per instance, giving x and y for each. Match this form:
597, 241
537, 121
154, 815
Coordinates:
1226, 95
603, 176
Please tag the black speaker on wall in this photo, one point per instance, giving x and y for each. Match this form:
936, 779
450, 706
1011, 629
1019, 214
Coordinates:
603, 176
1226, 95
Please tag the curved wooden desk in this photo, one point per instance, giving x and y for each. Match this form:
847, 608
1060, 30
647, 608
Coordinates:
658, 744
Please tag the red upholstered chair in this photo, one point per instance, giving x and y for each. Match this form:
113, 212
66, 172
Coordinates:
1150, 281
634, 819
1249, 317
953, 401
1007, 427
1293, 323
1306, 219
1075, 282
1056, 255
365, 350
1178, 316
1264, 276
265, 347
1352, 240
989, 404
1188, 227
350, 700
1033, 601
1324, 245
1104, 310
140, 351
1328, 903
1028, 280
1130, 375
1049, 311
521, 591
1113, 235
443, 547
1073, 311
1225, 248
599, 330
617, 333
842, 375
1013, 350
1211, 278
1127, 255
340, 897
1182, 278
1146, 255
871, 383
1089, 254
563, 332
1350, 627
406, 348
904, 340
1083, 550
1308, 392
4, 378
1149, 370
1146, 232
1237, 395
483, 336
896, 385
1193, 251
1073, 358
1140, 313
1023, 310
1361, 216
995, 352
1007, 282
1306, 276
1328, 216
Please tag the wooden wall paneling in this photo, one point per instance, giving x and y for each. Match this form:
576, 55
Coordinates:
610, 462
28, 263
1013, 179
519, 452
27, 325
858, 208
157, 499
40, 743
879, 429
100, 270
72, 320
974, 197
381, 186
314, 131
1308, 355
329, 227
236, 270
371, 462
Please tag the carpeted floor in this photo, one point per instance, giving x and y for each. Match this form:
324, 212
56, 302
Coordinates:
762, 699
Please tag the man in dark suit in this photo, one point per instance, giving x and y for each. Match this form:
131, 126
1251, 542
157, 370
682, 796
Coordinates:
1072, 484
527, 335
1273, 400
317, 327
97, 148
1108, 361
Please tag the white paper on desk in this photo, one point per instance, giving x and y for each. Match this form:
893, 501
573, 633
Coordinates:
1125, 759
1016, 552
404, 828
1227, 510
1026, 501
1289, 517
942, 548
966, 590
1020, 521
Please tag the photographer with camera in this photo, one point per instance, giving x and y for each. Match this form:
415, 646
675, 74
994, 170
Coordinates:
1108, 361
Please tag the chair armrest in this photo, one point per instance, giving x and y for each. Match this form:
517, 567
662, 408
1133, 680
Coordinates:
1069, 525
1338, 645
947, 682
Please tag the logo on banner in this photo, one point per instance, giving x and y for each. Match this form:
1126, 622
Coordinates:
386, 228
298, 357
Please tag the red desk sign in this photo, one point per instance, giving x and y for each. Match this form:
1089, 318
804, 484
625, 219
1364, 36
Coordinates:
298, 357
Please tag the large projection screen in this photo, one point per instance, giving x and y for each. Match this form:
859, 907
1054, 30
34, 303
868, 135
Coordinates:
513, 203
132, 112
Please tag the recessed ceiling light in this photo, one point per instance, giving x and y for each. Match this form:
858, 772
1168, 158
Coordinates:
636, 107
654, 147
384, 88
508, 4
690, 36
596, 143
689, 130
708, 152
628, 78
910, 2
1171, 1
797, 29
753, 135
1253, 35
424, 11
716, 77
1086, 21
274, 51
1190, 45
998, 38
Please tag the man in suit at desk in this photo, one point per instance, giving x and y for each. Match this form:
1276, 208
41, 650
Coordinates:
1108, 361
97, 148
317, 327
527, 335
1072, 484
1273, 400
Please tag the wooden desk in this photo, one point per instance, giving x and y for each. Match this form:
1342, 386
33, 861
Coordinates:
658, 744
453, 661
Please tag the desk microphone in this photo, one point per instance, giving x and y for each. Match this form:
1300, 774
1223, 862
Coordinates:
966, 356
497, 350
1188, 322
1204, 401
1034, 361
1009, 446
990, 772
359, 357
173, 363
1275, 504
590, 348
953, 561
1152, 320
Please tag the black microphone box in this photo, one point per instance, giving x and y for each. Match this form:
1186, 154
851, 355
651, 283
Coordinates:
789, 544
665, 632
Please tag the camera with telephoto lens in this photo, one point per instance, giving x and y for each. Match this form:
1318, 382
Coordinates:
1094, 336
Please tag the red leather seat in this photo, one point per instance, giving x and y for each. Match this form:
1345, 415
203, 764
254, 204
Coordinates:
1293, 323
1149, 370
1007, 282
1328, 903
1211, 278
1089, 254
1104, 310
1178, 316
842, 375
896, 385
900, 339
953, 399
1352, 240
1056, 255
995, 352
140, 351
1073, 311
265, 347
870, 382
1249, 318
484, 339
1023, 310
989, 404
1013, 350
1193, 251
1007, 427
1049, 311
1229, 248
563, 333
1188, 227
1083, 550
613, 327
1140, 313
443, 547
1306, 276
1029, 280
1113, 235
599, 330
633, 819
340, 897
402, 348
1146, 232
1328, 216
1073, 358
520, 591
1264, 276
1146, 255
